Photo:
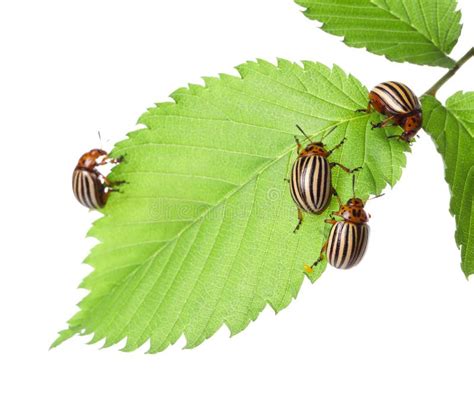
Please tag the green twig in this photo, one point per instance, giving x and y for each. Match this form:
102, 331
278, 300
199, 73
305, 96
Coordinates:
432, 91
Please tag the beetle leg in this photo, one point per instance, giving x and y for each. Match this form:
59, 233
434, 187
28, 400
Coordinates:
300, 220
110, 160
111, 187
406, 136
402, 137
368, 110
298, 145
106, 194
309, 269
113, 184
344, 168
334, 192
114, 190
287, 168
384, 123
107, 182
105, 160
110, 184
116, 160
336, 147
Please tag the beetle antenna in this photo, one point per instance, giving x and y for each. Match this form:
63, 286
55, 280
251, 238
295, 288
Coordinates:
353, 185
329, 132
376, 196
303, 132
100, 139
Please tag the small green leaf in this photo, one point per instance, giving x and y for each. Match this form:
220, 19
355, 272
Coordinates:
202, 233
452, 129
418, 31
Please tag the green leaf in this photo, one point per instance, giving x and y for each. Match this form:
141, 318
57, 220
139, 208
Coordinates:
418, 31
452, 129
201, 234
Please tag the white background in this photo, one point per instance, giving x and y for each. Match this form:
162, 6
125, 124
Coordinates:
396, 331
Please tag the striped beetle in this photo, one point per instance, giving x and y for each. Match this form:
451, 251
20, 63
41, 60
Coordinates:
399, 104
88, 184
311, 180
348, 237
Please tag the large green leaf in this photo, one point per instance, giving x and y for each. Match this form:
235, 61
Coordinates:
201, 235
452, 129
418, 31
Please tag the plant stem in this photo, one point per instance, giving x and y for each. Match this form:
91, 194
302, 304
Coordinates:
432, 91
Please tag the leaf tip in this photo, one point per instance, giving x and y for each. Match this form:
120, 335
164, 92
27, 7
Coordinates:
63, 336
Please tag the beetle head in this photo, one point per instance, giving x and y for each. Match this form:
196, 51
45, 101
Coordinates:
315, 148
411, 125
89, 160
355, 203
353, 211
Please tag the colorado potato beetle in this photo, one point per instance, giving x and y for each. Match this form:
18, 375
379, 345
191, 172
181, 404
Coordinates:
401, 106
348, 237
311, 181
90, 187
